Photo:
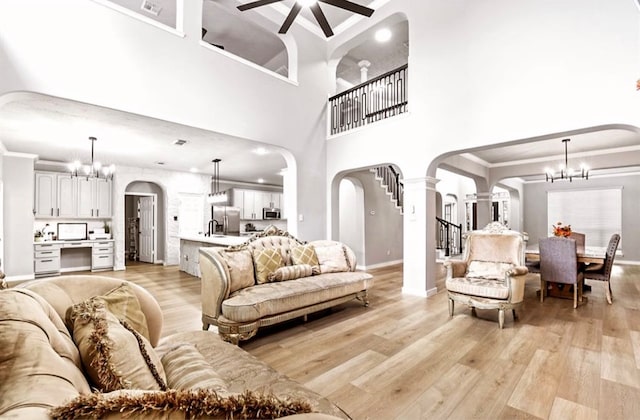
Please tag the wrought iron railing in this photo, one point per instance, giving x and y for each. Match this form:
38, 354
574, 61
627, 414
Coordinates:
390, 179
449, 237
373, 100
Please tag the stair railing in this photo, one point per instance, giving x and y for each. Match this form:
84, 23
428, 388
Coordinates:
449, 237
391, 180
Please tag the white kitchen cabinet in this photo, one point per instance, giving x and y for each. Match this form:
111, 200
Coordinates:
252, 205
61, 195
46, 201
238, 201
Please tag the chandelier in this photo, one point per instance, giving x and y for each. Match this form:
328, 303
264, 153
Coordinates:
216, 196
94, 170
565, 171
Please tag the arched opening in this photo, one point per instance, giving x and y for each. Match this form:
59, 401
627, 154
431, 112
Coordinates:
145, 223
365, 195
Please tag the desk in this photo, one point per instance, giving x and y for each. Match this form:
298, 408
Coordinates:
590, 254
53, 257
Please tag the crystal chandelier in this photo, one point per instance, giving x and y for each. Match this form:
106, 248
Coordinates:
94, 170
216, 196
565, 172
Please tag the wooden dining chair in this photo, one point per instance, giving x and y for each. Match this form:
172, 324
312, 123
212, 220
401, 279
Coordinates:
559, 264
602, 272
580, 239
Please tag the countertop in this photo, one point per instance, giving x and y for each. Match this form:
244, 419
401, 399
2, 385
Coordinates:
223, 240
84, 241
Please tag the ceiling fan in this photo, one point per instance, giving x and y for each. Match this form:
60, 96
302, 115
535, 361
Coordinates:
315, 9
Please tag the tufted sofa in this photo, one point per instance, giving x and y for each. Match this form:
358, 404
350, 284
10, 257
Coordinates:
238, 302
41, 366
491, 274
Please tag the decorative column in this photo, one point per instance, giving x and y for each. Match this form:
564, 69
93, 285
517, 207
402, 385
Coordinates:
483, 209
419, 236
364, 70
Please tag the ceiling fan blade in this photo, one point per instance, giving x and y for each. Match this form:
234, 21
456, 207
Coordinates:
255, 4
350, 6
289, 20
322, 19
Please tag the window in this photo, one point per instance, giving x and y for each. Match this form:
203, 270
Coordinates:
595, 212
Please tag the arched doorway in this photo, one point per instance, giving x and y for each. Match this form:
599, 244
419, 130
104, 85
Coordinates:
144, 223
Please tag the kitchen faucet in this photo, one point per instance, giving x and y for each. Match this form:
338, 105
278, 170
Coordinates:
211, 228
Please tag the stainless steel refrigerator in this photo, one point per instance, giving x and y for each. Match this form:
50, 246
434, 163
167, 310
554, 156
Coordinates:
226, 220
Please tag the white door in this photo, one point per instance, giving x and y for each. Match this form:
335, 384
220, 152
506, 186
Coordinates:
146, 251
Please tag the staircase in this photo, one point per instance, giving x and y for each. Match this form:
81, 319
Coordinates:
390, 181
449, 237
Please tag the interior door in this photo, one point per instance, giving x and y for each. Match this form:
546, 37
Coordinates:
147, 231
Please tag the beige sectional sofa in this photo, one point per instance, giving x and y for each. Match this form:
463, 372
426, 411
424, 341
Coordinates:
42, 367
243, 288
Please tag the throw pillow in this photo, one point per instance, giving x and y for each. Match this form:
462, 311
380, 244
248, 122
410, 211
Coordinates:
266, 261
332, 258
292, 272
114, 355
186, 368
124, 304
240, 265
190, 404
304, 254
488, 269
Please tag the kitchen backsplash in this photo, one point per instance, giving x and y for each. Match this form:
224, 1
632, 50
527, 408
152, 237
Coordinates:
53, 226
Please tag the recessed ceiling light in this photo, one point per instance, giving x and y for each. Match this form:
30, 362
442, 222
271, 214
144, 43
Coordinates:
260, 151
260, 180
282, 172
383, 35
194, 170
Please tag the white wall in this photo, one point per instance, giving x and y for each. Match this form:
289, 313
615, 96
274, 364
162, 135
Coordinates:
18, 215
352, 210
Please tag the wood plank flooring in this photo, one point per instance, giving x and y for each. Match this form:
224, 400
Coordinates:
404, 358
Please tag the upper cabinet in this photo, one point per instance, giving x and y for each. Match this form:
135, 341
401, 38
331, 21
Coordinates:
251, 202
60, 195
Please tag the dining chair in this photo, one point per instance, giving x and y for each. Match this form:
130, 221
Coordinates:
580, 239
602, 272
559, 264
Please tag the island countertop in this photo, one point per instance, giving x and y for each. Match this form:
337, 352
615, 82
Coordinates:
221, 240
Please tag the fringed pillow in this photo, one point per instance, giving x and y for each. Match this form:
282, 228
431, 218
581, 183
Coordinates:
192, 403
114, 355
186, 368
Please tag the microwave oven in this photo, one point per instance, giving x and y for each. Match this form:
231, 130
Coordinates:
270, 214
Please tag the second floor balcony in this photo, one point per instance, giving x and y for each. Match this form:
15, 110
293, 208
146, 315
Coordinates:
371, 101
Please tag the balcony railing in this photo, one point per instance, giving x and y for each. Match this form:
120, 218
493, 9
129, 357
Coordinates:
373, 100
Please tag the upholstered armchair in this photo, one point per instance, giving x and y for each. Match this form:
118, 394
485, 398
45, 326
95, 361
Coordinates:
491, 274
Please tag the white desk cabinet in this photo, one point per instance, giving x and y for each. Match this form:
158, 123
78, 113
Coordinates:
53, 258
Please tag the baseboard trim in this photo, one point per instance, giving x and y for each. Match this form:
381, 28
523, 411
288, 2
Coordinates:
24, 277
379, 265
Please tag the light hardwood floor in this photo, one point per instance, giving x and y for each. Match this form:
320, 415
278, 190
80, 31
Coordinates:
404, 358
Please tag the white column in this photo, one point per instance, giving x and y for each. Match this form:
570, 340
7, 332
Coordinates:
419, 237
364, 70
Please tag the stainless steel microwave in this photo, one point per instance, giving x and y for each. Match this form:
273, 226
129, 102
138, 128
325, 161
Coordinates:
270, 214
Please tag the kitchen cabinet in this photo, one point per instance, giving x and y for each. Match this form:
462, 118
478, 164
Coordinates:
251, 202
61, 195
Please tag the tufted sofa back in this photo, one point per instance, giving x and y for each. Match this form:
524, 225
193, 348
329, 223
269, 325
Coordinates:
281, 243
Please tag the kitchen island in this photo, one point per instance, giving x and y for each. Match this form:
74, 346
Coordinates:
190, 249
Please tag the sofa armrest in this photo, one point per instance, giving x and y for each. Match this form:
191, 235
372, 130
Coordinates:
214, 282
455, 268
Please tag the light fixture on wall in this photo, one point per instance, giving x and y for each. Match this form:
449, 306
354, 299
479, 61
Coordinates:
93, 170
216, 196
565, 171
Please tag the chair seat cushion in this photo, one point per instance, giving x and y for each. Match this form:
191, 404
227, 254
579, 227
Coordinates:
489, 288
253, 303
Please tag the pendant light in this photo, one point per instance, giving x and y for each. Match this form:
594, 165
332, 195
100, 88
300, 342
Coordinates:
565, 171
216, 196
93, 170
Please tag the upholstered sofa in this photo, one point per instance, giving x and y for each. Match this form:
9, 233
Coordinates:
492, 272
45, 360
241, 292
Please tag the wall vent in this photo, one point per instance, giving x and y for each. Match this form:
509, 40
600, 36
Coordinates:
180, 142
150, 7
